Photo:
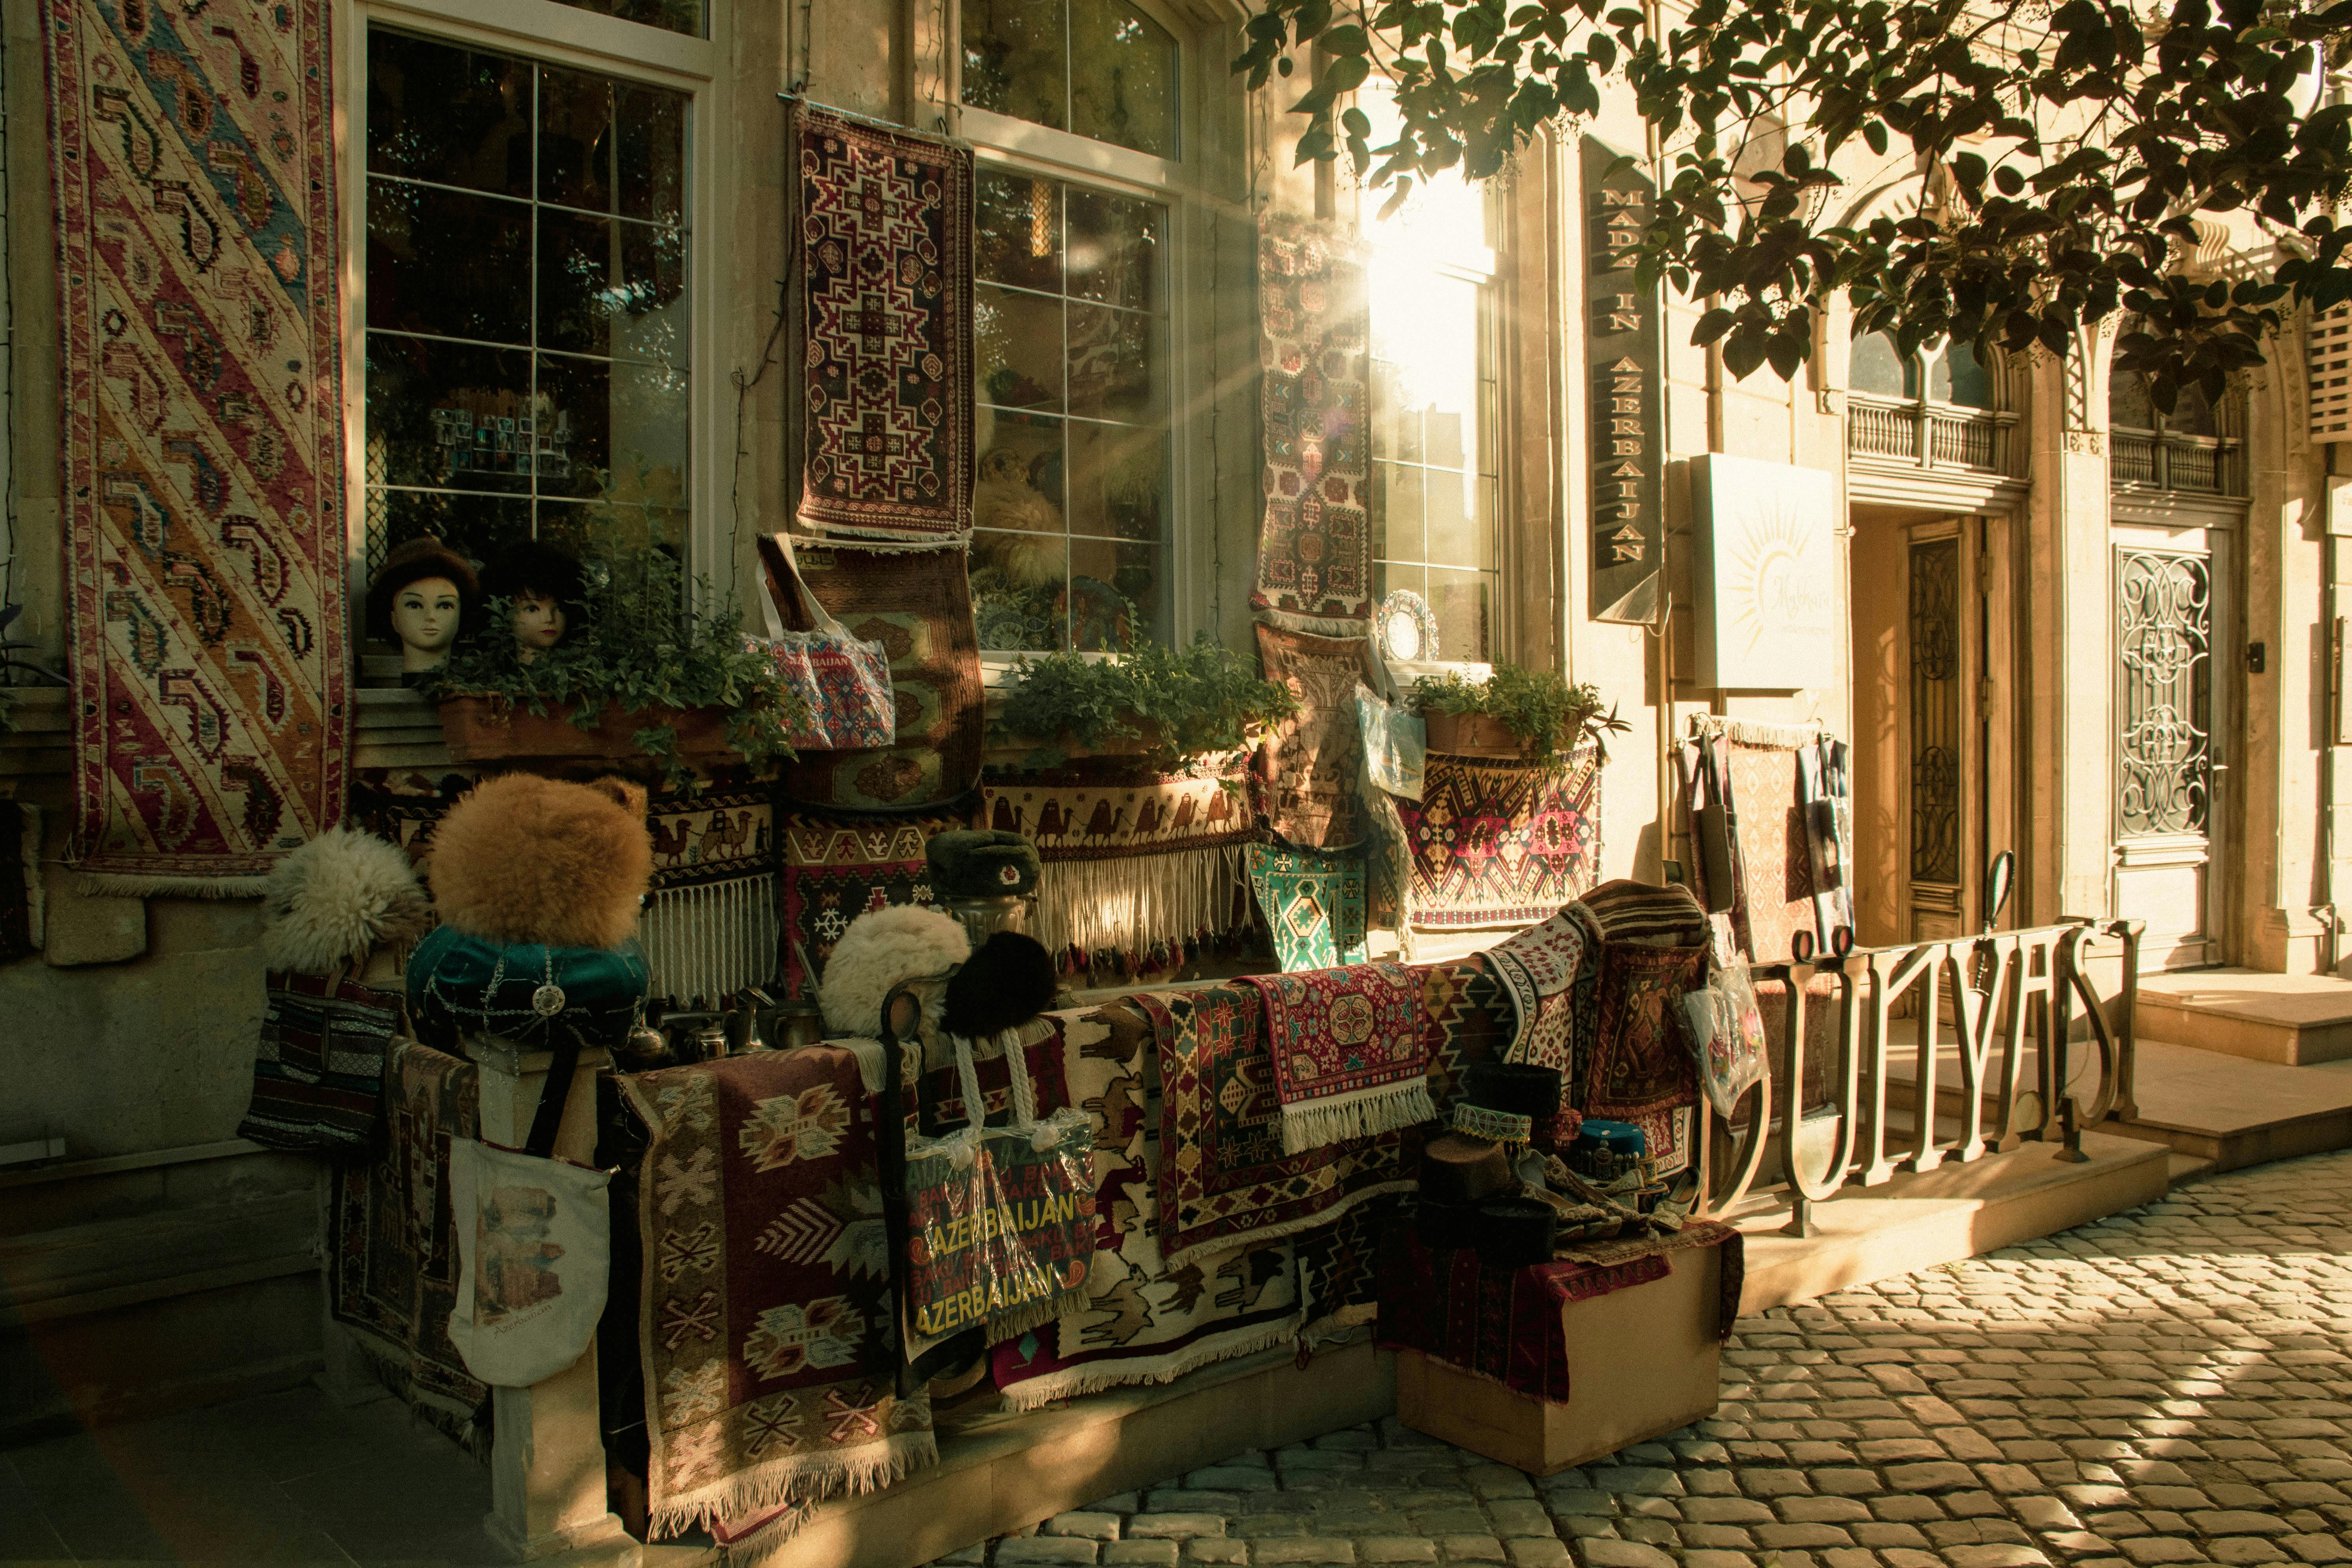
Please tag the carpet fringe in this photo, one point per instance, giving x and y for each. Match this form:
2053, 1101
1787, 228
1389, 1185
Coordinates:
1128, 905
1319, 1123
1075, 1381
814, 1480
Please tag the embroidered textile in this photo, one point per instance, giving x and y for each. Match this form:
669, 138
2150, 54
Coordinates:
392, 1245
1223, 1178
202, 440
1313, 550
1347, 1056
1497, 841
1776, 872
885, 248
766, 1330
1130, 865
1506, 1324
1314, 762
835, 867
1465, 1017
318, 1068
1314, 905
917, 603
1338, 1270
1642, 1070
1538, 967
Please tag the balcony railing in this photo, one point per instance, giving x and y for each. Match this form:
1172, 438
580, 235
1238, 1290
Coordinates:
2009, 1003
1927, 436
2198, 465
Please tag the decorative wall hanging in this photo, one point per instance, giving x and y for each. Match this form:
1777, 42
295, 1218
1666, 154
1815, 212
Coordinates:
202, 441
710, 925
1536, 968
1314, 547
1405, 628
392, 1246
765, 1328
1129, 864
1639, 1068
835, 867
1313, 764
885, 328
1625, 399
917, 603
1223, 1179
1497, 841
1346, 1044
1765, 566
1314, 905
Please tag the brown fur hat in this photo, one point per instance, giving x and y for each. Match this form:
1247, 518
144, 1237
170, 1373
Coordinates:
529, 860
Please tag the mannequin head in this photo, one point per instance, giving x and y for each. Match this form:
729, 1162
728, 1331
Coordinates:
542, 587
421, 600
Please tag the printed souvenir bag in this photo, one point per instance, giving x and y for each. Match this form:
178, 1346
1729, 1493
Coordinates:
844, 683
318, 1075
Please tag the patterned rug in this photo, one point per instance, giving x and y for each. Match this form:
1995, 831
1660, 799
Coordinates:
1642, 1071
1507, 1323
884, 324
1465, 1017
391, 1247
202, 439
1314, 762
1223, 1178
835, 867
1313, 550
917, 603
1776, 871
1130, 865
1500, 842
1314, 905
1338, 1270
766, 1331
1537, 967
1348, 1062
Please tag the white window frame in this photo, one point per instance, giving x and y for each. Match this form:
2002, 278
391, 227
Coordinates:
1180, 183
563, 36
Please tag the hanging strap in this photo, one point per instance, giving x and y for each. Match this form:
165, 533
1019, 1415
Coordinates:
785, 593
554, 1095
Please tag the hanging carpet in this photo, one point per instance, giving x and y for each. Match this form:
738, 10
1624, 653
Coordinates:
1314, 763
1538, 967
1349, 1058
1314, 547
1639, 1068
1500, 842
837, 866
202, 404
1314, 905
885, 328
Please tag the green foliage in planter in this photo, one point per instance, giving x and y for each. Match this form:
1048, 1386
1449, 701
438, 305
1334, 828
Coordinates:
647, 639
1538, 706
1195, 700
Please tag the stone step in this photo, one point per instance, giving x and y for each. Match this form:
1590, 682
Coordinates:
2291, 1020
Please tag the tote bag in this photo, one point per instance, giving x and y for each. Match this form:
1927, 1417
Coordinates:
318, 1069
844, 683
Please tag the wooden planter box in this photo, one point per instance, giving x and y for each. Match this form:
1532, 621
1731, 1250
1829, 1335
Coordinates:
1472, 735
490, 728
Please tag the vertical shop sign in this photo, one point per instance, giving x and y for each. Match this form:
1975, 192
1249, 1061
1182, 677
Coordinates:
1626, 409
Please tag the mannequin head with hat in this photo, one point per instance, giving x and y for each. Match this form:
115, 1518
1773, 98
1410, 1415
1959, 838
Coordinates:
421, 599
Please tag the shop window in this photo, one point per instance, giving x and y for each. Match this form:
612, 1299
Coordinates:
2187, 449
1098, 68
1434, 400
527, 305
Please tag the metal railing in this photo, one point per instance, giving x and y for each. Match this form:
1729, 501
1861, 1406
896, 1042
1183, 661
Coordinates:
2007, 995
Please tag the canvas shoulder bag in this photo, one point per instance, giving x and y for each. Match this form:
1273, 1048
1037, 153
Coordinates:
318, 1067
845, 683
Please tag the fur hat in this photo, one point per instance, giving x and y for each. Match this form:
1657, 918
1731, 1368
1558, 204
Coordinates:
529, 859
1009, 980
337, 898
535, 566
980, 864
412, 561
882, 949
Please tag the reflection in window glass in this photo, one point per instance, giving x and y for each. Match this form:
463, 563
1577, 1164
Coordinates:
1099, 67
1880, 369
1070, 503
1433, 497
527, 301
1960, 380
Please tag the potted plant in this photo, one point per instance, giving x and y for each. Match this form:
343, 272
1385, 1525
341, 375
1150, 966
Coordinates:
657, 671
1533, 715
1156, 701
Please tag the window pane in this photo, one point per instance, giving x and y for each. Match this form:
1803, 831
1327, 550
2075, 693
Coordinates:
1397, 502
626, 420
609, 287
2191, 414
609, 147
449, 115
451, 415
1115, 370
1115, 249
1878, 368
1118, 480
2128, 406
1122, 78
1014, 60
1017, 581
1019, 337
1019, 231
488, 524
1966, 383
1464, 605
1461, 520
670, 16
450, 263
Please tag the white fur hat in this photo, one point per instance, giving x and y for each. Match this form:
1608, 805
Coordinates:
338, 897
881, 949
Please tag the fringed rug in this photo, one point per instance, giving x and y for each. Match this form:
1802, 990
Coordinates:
766, 1331
1465, 1017
1314, 905
1314, 549
1338, 1270
1348, 1062
1130, 865
1640, 1069
835, 867
1144, 1322
917, 603
194, 163
392, 1246
1224, 1180
1774, 847
1538, 967
885, 328
1314, 763
710, 923
1500, 842
1506, 1324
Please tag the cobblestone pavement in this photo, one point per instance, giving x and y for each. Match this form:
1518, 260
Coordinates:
2169, 1385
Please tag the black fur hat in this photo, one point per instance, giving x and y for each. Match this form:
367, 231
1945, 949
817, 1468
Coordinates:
1008, 981
536, 566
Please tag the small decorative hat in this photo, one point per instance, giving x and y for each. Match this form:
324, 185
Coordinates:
981, 864
1511, 1103
1456, 1168
1605, 1149
1513, 1233
414, 560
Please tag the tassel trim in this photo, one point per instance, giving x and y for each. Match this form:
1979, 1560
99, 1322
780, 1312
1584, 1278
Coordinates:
1131, 904
1072, 1382
1755, 731
1363, 1113
1259, 1236
810, 1480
